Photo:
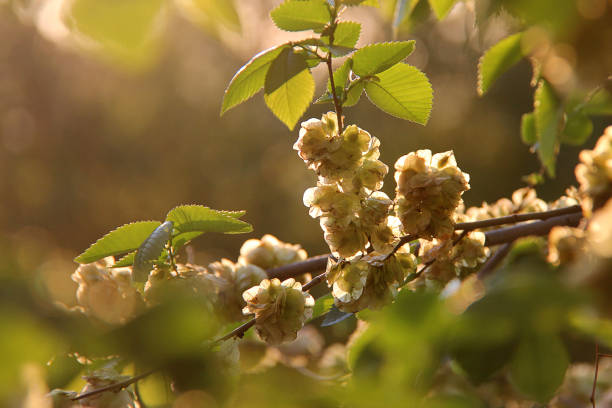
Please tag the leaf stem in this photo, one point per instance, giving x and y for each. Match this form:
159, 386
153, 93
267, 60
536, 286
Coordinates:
330, 70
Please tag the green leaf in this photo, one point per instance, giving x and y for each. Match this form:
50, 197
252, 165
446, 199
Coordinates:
480, 362
301, 15
322, 305
346, 34
354, 93
497, 60
250, 78
600, 104
184, 238
150, 250
375, 58
528, 129
197, 218
547, 115
441, 7
289, 87
369, 3
341, 75
538, 366
212, 14
126, 238
577, 130
402, 8
127, 260
402, 91
327, 97
125, 31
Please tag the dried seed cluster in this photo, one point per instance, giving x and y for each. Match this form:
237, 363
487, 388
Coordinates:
429, 189
353, 213
280, 309
370, 281
594, 173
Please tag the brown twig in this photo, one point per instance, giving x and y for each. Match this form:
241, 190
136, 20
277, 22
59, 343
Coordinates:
330, 71
596, 372
240, 330
538, 228
515, 218
598, 355
316, 263
116, 387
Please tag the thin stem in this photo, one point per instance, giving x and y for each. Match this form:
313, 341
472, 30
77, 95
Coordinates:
238, 331
596, 372
513, 219
171, 255
330, 71
337, 105
538, 228
116, 387
316, 263
314, 282
598, 355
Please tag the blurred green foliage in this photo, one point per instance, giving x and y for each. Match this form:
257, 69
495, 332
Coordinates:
86, 146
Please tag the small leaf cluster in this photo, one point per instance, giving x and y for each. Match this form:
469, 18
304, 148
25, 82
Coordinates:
146, 244
284, 71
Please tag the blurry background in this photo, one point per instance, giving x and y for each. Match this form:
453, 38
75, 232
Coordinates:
93, 136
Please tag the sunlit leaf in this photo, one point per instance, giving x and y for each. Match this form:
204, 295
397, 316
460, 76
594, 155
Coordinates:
198, 218
402, 8
24, 339
497, 60
346, 34
289, 87
353, 93
301, 15
375, 58
402, 91
184, 238
599, 104
126, 31
370, 3
341, 75
322, 305
126, 238
127, 260
212, 14
441, 7
250, 78
150, 250
528, 129
577, 130
547, 114
597, 327
538, 366
327, 97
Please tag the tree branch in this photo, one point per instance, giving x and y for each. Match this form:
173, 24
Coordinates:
514, 218
316, 263
509, 234
564, 216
